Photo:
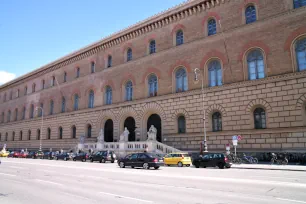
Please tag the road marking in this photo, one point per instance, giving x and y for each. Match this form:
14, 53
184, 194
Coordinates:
7, 174
120, 196
50, 182
77, 196
19, 182
296, 201
16, 167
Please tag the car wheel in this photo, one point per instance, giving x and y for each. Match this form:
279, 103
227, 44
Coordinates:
146, 166
65, 159
56, 158
168, 164
74, 159
103, 160
84, 160
33, 157
121, 164
180, 164
100, 161
188, 165
91, 160
132, 167
197, 165
221, 166
156, 167
112, 161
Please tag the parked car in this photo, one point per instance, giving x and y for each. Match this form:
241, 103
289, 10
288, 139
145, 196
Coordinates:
144, 160
4, 153
16, 154
48, 155
39, 154
80, 157
179, 159
31, 155
212, 160
63, 156
103, 156
11, 154
23, 155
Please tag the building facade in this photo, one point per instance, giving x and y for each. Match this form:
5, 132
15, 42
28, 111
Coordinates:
252, 59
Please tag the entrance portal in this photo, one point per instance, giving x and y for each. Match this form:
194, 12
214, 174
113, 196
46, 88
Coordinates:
108, 131
155, 120
129, 123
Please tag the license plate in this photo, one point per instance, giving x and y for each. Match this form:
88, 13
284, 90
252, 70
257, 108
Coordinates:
160, 160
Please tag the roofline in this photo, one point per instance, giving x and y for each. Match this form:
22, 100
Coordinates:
140, 24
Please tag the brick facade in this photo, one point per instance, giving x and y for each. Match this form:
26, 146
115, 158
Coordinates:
282, 93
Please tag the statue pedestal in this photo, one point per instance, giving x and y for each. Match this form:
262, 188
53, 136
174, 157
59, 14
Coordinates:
152, 145
80, 146
100, 146
123, 146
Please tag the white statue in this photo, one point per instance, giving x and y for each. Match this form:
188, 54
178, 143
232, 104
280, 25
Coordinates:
152, 133
124, 137
82, 139
101, 136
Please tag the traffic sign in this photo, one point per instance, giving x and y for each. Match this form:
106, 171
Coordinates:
235, 142
234, 137
239, 137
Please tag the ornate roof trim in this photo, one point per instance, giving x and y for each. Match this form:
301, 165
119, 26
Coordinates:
171, 15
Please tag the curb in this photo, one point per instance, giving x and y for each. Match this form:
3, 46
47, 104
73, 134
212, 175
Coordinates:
258, 168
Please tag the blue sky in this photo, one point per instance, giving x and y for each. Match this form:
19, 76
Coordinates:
34, 33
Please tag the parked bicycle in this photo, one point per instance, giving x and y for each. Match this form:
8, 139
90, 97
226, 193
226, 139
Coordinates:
280, 159
249, 159
234, 159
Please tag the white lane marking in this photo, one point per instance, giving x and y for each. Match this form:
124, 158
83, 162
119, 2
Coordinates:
296, 201
11, 180
77, 196
7, 174
49, 182
120, 196
149, 173
16, 167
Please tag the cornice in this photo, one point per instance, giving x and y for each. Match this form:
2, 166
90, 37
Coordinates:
170, 16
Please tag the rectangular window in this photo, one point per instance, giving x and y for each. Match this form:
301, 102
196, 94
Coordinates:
93, 67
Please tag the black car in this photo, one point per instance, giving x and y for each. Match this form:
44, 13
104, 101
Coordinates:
212, 160
31, 155
80, 157
48, 155
144, 160
62, 156
35, 155
103, 156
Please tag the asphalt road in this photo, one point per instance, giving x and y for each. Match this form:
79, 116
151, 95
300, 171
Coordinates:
28, 181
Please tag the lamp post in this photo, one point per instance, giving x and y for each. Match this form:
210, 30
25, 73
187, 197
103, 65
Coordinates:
197, 71
42, 126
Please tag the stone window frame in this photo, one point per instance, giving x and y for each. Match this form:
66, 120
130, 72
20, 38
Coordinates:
109, 61
43, 84
207, 24
33, 88
105, 94
90, 102
49, 133
20, 135
29, 134
74, 108
38, 134
87, 130
174, 88
63, 105
253, 3
93, 67
65, 77
293, 52
177, 123
245, 62
16, 114
252, 122
60, 132
149, 47
8, 117
51, 107
13, 135
176, 36
72, 131
124, 90
147, 86
126, 57
206, 73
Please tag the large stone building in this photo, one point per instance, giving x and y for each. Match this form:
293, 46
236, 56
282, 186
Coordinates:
251, 54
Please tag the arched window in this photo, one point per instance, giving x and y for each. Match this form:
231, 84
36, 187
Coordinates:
108, 95
38, 134
8, 116
2, 117
16, 114
51, 107
73, 132
179, 37
93, 67
63, 109
129, 91
91, 99
29, 135
216, 122
299, 3
109, 61
152, 82
212, 27
6, 136
41, 110
53, 81
65, 76
23, 113
13, 136
43, 84
181, 124
259, 118
20, 135
300, 51
256, 67
181, 80
76, 102
11, 95
32, 111
60, 133
25, 90
4, 97
17, 93
33, 88
129, 55
250, 14
89, 131
152, 47
215, 73
78, 72
48, 133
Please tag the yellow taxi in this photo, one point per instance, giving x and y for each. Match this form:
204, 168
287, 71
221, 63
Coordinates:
180, 159
4, 153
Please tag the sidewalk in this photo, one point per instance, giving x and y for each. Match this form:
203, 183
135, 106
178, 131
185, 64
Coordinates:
270, 167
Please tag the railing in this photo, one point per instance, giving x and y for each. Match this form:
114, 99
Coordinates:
111, 146
165, 148
90, 145
137, 145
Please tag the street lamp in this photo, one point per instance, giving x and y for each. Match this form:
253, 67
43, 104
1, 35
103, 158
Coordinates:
42, 125
197, 71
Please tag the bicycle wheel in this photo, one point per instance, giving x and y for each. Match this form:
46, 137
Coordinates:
285, 162
254, 161
272, 161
